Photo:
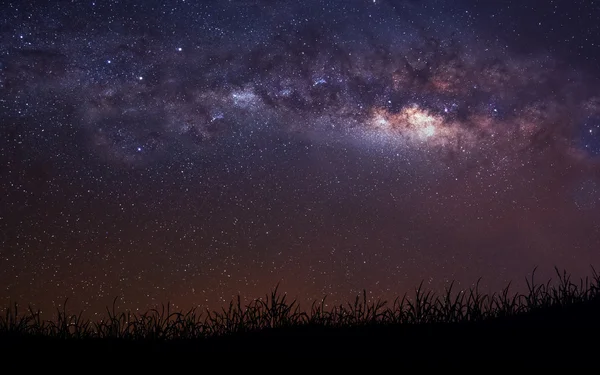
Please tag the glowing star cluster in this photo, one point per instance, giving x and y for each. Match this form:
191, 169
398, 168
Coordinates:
416, 126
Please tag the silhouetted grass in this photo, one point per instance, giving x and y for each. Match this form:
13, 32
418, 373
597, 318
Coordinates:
276, 312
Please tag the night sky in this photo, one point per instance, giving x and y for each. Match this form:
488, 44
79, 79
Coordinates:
191, 151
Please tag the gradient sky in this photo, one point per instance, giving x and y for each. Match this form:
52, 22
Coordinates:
191, 151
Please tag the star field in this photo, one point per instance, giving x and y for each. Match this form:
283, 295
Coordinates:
191, 151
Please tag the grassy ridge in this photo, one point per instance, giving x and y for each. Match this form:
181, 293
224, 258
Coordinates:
444, 324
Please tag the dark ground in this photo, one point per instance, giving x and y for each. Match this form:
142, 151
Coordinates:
563, 337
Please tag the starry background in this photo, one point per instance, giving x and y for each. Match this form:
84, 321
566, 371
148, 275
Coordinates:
191, 151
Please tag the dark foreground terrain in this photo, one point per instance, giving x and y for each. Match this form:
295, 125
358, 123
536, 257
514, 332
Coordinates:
562, 336
551, 326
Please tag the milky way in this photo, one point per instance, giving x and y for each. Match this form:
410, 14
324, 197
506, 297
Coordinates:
190, 152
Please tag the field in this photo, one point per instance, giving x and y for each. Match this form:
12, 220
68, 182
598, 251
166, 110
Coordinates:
556, 320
